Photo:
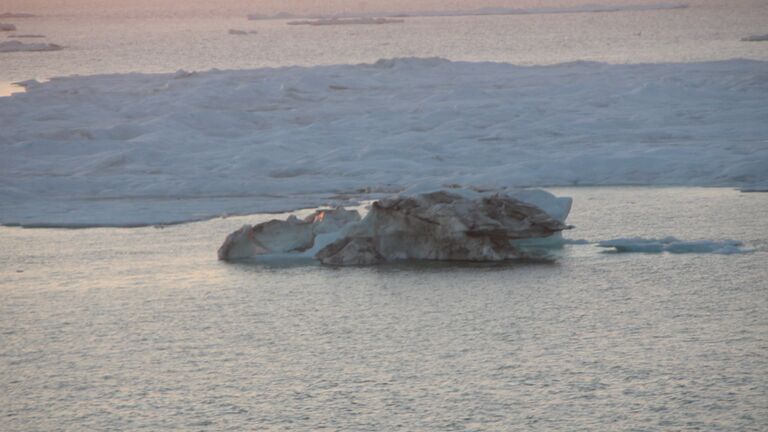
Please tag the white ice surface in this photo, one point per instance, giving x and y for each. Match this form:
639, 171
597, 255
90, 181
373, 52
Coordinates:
18, 46
674, 245
137, 149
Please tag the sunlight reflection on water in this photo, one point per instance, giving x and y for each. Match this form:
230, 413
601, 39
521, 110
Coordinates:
7, 89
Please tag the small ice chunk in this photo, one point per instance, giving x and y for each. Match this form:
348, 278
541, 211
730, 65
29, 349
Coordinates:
277, 16
181, 74
636, 244
674, 245
755, 38
724, 247
237, 32
576, 241
754, 188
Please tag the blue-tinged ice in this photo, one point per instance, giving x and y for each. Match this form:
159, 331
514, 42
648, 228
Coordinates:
674, 245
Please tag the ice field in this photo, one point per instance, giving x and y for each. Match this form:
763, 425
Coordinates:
139, 149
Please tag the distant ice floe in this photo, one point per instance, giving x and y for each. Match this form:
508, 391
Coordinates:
18, 46
7, 27
674, 245
277, 16
347, 21
16, 15
587, 8
237, 32
755, 38
755, 188
142, 149
26, 36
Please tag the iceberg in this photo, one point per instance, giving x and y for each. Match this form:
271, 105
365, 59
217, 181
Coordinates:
444, 225
674, 245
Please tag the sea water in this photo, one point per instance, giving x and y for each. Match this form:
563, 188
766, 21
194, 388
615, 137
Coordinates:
143, 329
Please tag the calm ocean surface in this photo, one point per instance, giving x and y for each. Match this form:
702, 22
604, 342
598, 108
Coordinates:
142, 329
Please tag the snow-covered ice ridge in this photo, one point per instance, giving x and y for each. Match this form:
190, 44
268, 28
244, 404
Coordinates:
138, 149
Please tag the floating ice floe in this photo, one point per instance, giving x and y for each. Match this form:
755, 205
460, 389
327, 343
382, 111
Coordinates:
443, 225
755, 188
755, 38
25, 36
348, 21
237, 32
143, 149
7, 27
277, 16
18, 46
674, 245
16, 15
